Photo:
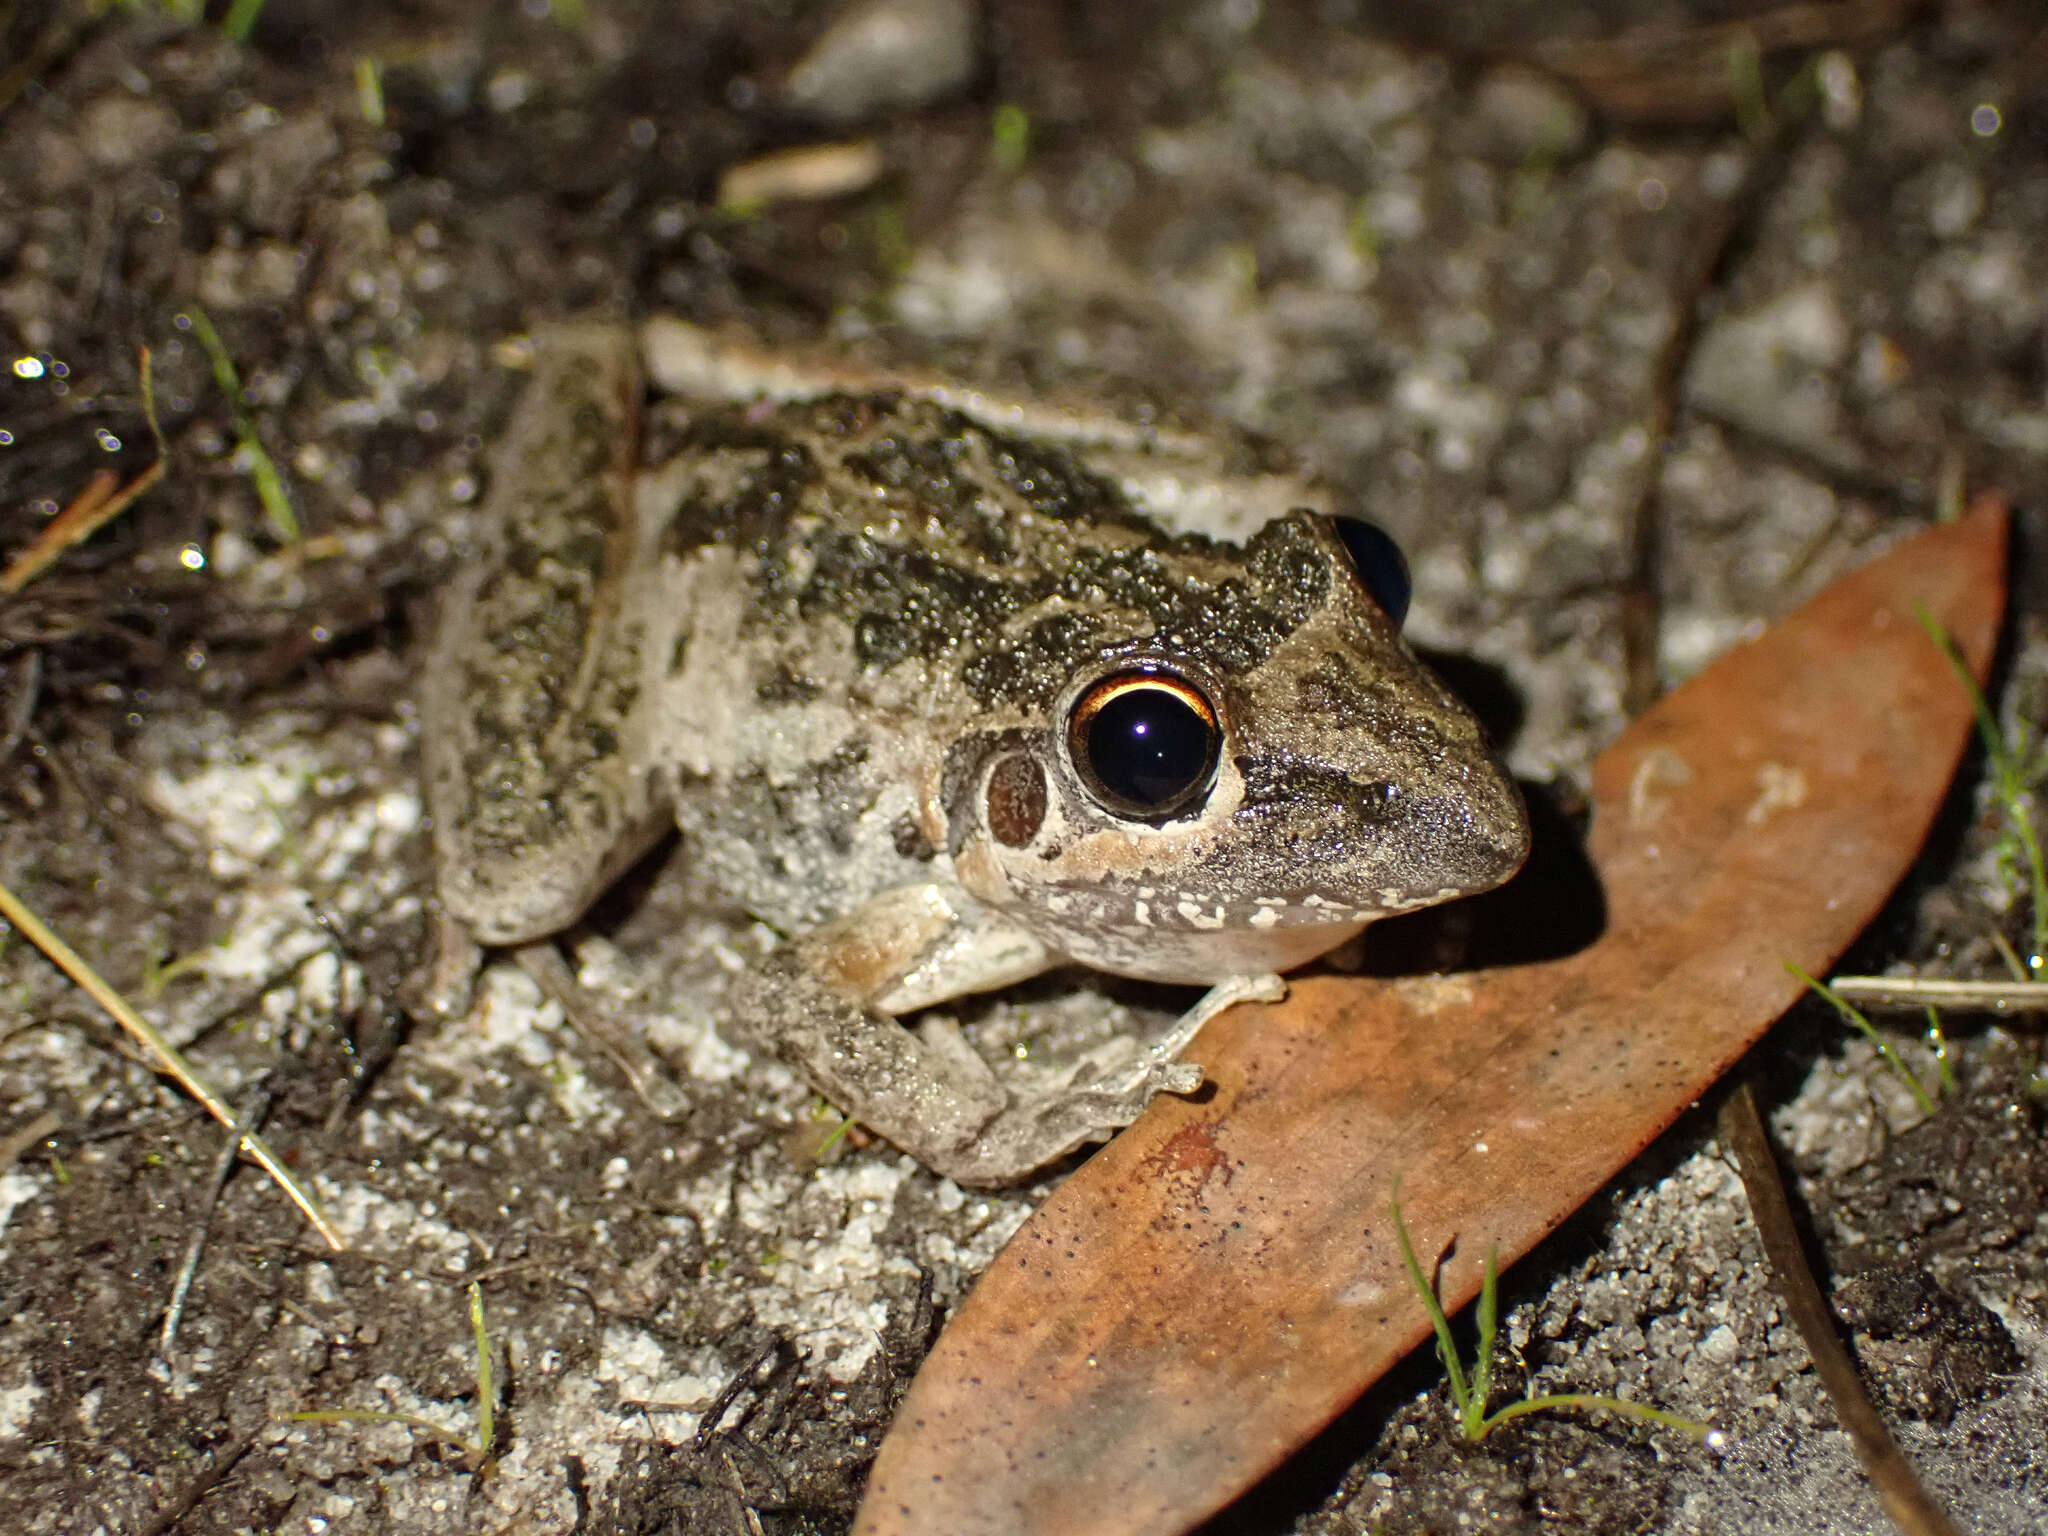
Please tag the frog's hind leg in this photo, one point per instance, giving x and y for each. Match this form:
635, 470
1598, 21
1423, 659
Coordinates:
827, 1001
534, 808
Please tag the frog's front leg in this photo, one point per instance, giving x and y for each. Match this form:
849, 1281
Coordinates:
826, 1003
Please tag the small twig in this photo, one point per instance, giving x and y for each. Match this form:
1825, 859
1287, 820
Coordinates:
1658, 72
223, 1165
739, 1492
1993, 996
20, 706
740, 1381
167, 1518
597, 1024
92, 508
1910, 1506
738, 1441
168, 1058
13, 1146
490, 1274
1643, 540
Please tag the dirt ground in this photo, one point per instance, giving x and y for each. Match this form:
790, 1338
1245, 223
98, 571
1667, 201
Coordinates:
1373, 233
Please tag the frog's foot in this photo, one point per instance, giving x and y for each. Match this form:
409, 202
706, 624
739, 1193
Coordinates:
1042, 1128
972, 1130
1034, 1130
927, 1090
444, 985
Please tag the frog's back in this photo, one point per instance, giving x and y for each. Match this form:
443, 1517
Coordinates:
830, 593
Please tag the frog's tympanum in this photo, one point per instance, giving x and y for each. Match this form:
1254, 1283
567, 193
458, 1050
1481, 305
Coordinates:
946, 704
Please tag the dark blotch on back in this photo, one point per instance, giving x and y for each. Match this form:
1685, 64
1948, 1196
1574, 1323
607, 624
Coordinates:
1230, 624
928, 480
776, 476
1053, 484
905, 602
930, 534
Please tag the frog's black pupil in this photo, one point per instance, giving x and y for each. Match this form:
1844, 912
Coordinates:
1380, 565
1149, 747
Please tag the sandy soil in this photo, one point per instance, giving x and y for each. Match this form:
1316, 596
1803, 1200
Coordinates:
1444, 280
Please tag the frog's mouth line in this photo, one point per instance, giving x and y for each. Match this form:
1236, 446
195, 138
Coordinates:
1174, 948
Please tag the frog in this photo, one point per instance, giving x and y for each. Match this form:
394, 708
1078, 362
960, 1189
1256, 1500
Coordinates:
948, 691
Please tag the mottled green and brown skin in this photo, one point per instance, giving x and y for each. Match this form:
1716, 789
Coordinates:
837, 640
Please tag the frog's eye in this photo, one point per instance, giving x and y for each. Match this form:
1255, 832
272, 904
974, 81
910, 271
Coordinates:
1378, 560
1144, 742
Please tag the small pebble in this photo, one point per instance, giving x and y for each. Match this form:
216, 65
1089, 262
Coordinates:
882, 55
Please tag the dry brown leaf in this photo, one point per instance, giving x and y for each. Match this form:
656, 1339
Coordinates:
1210, 1290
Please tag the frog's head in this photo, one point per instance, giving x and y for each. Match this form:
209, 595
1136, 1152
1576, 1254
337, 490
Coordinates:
1243, 768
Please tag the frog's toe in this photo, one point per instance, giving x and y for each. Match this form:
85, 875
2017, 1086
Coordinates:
1177, 1077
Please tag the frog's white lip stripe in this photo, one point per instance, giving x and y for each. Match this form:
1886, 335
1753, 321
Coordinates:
1193, 916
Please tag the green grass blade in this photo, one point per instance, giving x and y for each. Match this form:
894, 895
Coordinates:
1584, 1401
263, 472
1010, 128
1937, 1039
1446, 1348
1487, 1317
486, 1389
1987, 722
1853, 1017
2015, 770
240, 20
447, 1437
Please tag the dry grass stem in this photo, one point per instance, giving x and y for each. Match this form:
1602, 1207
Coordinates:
1993, 996
168, 1059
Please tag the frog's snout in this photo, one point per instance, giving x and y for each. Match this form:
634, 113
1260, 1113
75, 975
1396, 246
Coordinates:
1477, 839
